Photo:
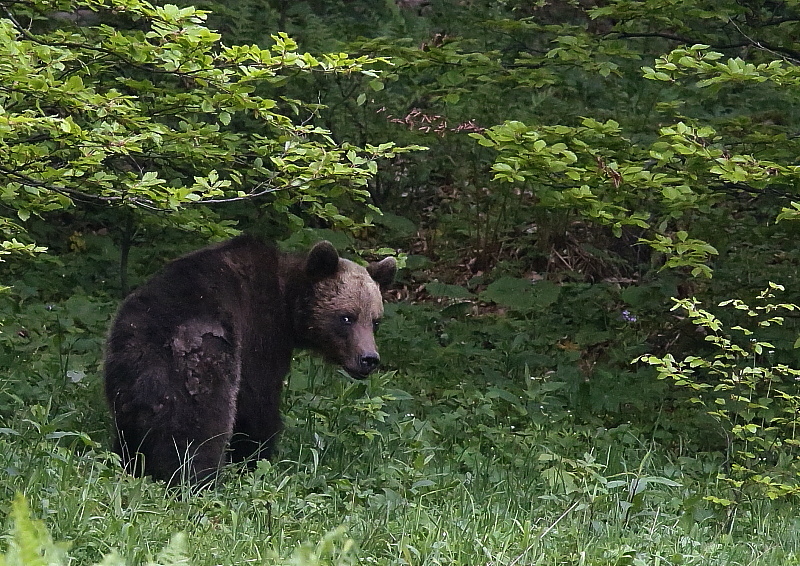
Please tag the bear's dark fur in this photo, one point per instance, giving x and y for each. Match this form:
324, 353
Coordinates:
196, 357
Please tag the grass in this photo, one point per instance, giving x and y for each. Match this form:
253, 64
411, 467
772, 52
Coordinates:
379, 485
428, 465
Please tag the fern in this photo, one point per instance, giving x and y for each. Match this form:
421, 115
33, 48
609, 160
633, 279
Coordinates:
30, 544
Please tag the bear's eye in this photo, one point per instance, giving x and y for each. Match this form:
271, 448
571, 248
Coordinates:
347, 319
375, 325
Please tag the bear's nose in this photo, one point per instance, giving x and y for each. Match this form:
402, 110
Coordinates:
369, 362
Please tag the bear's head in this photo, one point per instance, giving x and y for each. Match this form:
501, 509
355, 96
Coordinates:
345, 308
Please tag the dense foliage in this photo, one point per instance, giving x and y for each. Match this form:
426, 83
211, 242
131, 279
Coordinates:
151, 120
583, 365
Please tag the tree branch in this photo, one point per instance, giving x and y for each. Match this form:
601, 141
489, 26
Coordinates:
66, 191
780, 51
144, 203
31, 37
249, 196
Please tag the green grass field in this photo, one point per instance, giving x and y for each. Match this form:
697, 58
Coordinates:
430, 464
370, 474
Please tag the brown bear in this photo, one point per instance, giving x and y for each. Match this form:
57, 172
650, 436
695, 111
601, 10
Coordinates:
196, 357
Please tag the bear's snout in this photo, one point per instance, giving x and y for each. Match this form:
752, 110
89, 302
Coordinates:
369, 362
362, 364
360, 351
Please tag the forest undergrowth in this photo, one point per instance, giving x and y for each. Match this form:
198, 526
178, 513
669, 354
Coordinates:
465, 450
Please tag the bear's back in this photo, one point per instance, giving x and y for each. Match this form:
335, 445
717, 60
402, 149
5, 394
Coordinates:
218, 278
234, 286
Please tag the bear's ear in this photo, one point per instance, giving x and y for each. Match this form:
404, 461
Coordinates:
323, 261
383, 272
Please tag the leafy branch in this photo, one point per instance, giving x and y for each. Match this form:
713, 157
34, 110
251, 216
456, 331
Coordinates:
163, 117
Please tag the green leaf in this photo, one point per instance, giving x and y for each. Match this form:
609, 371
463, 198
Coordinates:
438, 289
521, 294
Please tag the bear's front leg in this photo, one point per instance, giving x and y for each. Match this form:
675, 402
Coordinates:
258, 417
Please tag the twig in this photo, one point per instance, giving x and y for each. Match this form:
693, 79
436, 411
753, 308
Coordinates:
784, 53
794, 58
66, 191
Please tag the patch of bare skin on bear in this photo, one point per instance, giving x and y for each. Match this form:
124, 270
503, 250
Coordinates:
239, 269
201, 354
